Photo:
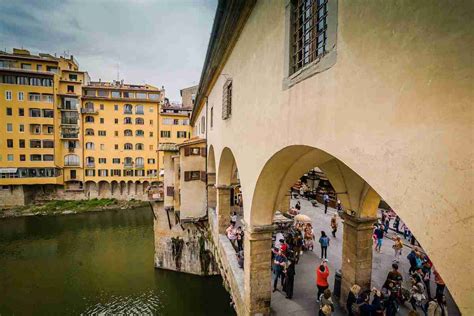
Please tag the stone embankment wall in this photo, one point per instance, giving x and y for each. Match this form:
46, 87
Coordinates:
182, 246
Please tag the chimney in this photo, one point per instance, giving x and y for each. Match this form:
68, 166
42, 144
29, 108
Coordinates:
100, 80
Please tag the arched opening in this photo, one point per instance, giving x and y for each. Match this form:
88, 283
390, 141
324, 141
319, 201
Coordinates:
130, 188
146, 186
138, 188
115, 188
351, 249
104, 189
123, 187
91, 189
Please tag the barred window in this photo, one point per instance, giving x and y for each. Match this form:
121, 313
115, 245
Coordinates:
227, 100
309, 18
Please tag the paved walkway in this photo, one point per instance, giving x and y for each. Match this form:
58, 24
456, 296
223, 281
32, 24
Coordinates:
304, 296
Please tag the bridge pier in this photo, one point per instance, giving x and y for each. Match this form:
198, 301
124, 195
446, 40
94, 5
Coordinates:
356, 253
257, 270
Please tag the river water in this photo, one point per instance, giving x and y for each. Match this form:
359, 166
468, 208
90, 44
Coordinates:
96, 264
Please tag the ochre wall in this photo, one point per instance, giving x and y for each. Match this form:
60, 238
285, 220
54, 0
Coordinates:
396, 108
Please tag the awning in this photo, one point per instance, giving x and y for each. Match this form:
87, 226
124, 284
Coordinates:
8, 170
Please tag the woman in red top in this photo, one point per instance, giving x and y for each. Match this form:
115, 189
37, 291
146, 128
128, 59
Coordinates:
322, 273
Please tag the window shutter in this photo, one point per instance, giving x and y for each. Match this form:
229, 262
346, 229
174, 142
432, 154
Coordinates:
187, 151
187, 176
203, 151
169, 191
203, 176
227, 100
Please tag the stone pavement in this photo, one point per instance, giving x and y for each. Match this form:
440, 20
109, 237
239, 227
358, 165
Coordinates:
304, 296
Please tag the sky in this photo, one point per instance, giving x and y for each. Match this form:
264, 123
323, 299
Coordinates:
158, 42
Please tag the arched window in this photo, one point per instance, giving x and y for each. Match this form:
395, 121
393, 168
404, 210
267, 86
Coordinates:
139, 146
128, 161
139, 132
127, 109
128, 132
89, 145
139, 109
89, 119
128, 146
71, 160
89, 105
139, 162
139, 121
89, 132
127, 120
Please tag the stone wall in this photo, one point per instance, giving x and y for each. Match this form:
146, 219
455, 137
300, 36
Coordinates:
14, 195
182, 246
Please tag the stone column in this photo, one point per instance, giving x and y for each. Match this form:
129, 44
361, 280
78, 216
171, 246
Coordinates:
257, 270
223, 207
356, 253
211, 190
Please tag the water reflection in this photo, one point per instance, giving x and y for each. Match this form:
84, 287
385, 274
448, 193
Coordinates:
93, 264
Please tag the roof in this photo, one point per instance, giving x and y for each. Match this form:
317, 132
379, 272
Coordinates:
228, 23
192, 141
167, 147
118, 85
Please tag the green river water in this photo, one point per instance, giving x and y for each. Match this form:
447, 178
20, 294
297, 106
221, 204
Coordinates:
96, 264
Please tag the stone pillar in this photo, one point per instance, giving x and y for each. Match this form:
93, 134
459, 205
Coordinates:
223, 207
257, 270
356, 253
211, 190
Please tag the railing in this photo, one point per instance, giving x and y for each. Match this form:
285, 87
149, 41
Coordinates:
90, 164
128, 165
27, 70
69, 135
88, 111
140, 166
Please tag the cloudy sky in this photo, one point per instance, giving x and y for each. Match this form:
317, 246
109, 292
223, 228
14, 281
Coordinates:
159, 42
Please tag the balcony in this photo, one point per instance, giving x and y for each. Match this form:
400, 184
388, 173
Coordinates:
90, 164
89, 111
128, 165
70, 136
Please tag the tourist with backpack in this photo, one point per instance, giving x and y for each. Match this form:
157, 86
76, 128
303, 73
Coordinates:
326, 300
324, 241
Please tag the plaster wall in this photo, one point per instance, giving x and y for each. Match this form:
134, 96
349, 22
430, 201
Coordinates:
396, 108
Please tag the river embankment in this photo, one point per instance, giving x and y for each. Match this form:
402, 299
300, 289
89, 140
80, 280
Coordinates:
66, 207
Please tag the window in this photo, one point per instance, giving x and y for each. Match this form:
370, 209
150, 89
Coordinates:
48, 157
309, 27
127, 132
139, 109
8, 79
10, 157
47, 82
128, 173
21, 128
165, 134
9, 127
102, 133
192, 175
101, 106
139, 121
212, 117
115, 133
72, 174
71, 104
21, 96
48, 113
103, 93
9, 112
73, 77
49, 129
8, 95
116, 94
227, 100
90, 162
128, 161
181, 134
10, 143
90, 172
139, 132
89, 132
21, 112
34, 143
52, 69
129, 95
150, 147
25, 66
35, 113
151, 122
90, 145
116, 146
139, 162
34, 97
101, 120
139, 146
128, 146
35, 157
153, 96
167, 121
194, 151
115, 160
48, 98
116, 121
115, 106
102, 146
21, 143
127, 109
116, 172
151, 108
203, 124
102, 160
22, 157
71, 118
89, 119
71, 160
35, 129
151, 134
39, 67
48, 143
141, 95
151, 160
90, 93
127, 120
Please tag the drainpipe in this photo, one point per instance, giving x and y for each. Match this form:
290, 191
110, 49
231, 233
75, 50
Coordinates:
207, 180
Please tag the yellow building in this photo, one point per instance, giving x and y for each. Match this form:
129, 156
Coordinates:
120, 127
32, 89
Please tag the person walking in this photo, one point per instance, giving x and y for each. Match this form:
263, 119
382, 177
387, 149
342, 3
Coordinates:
298, 206
334, 225
339, 205
326, 202
290, 278
369, 309
279, 264
438, 307
324, 241
386, 225
426, 269
412, 259
351, 303
440, 285
396, 223
322, 274
397, 247
379, 236
233, 218
240, 238
326, 300
231, 234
